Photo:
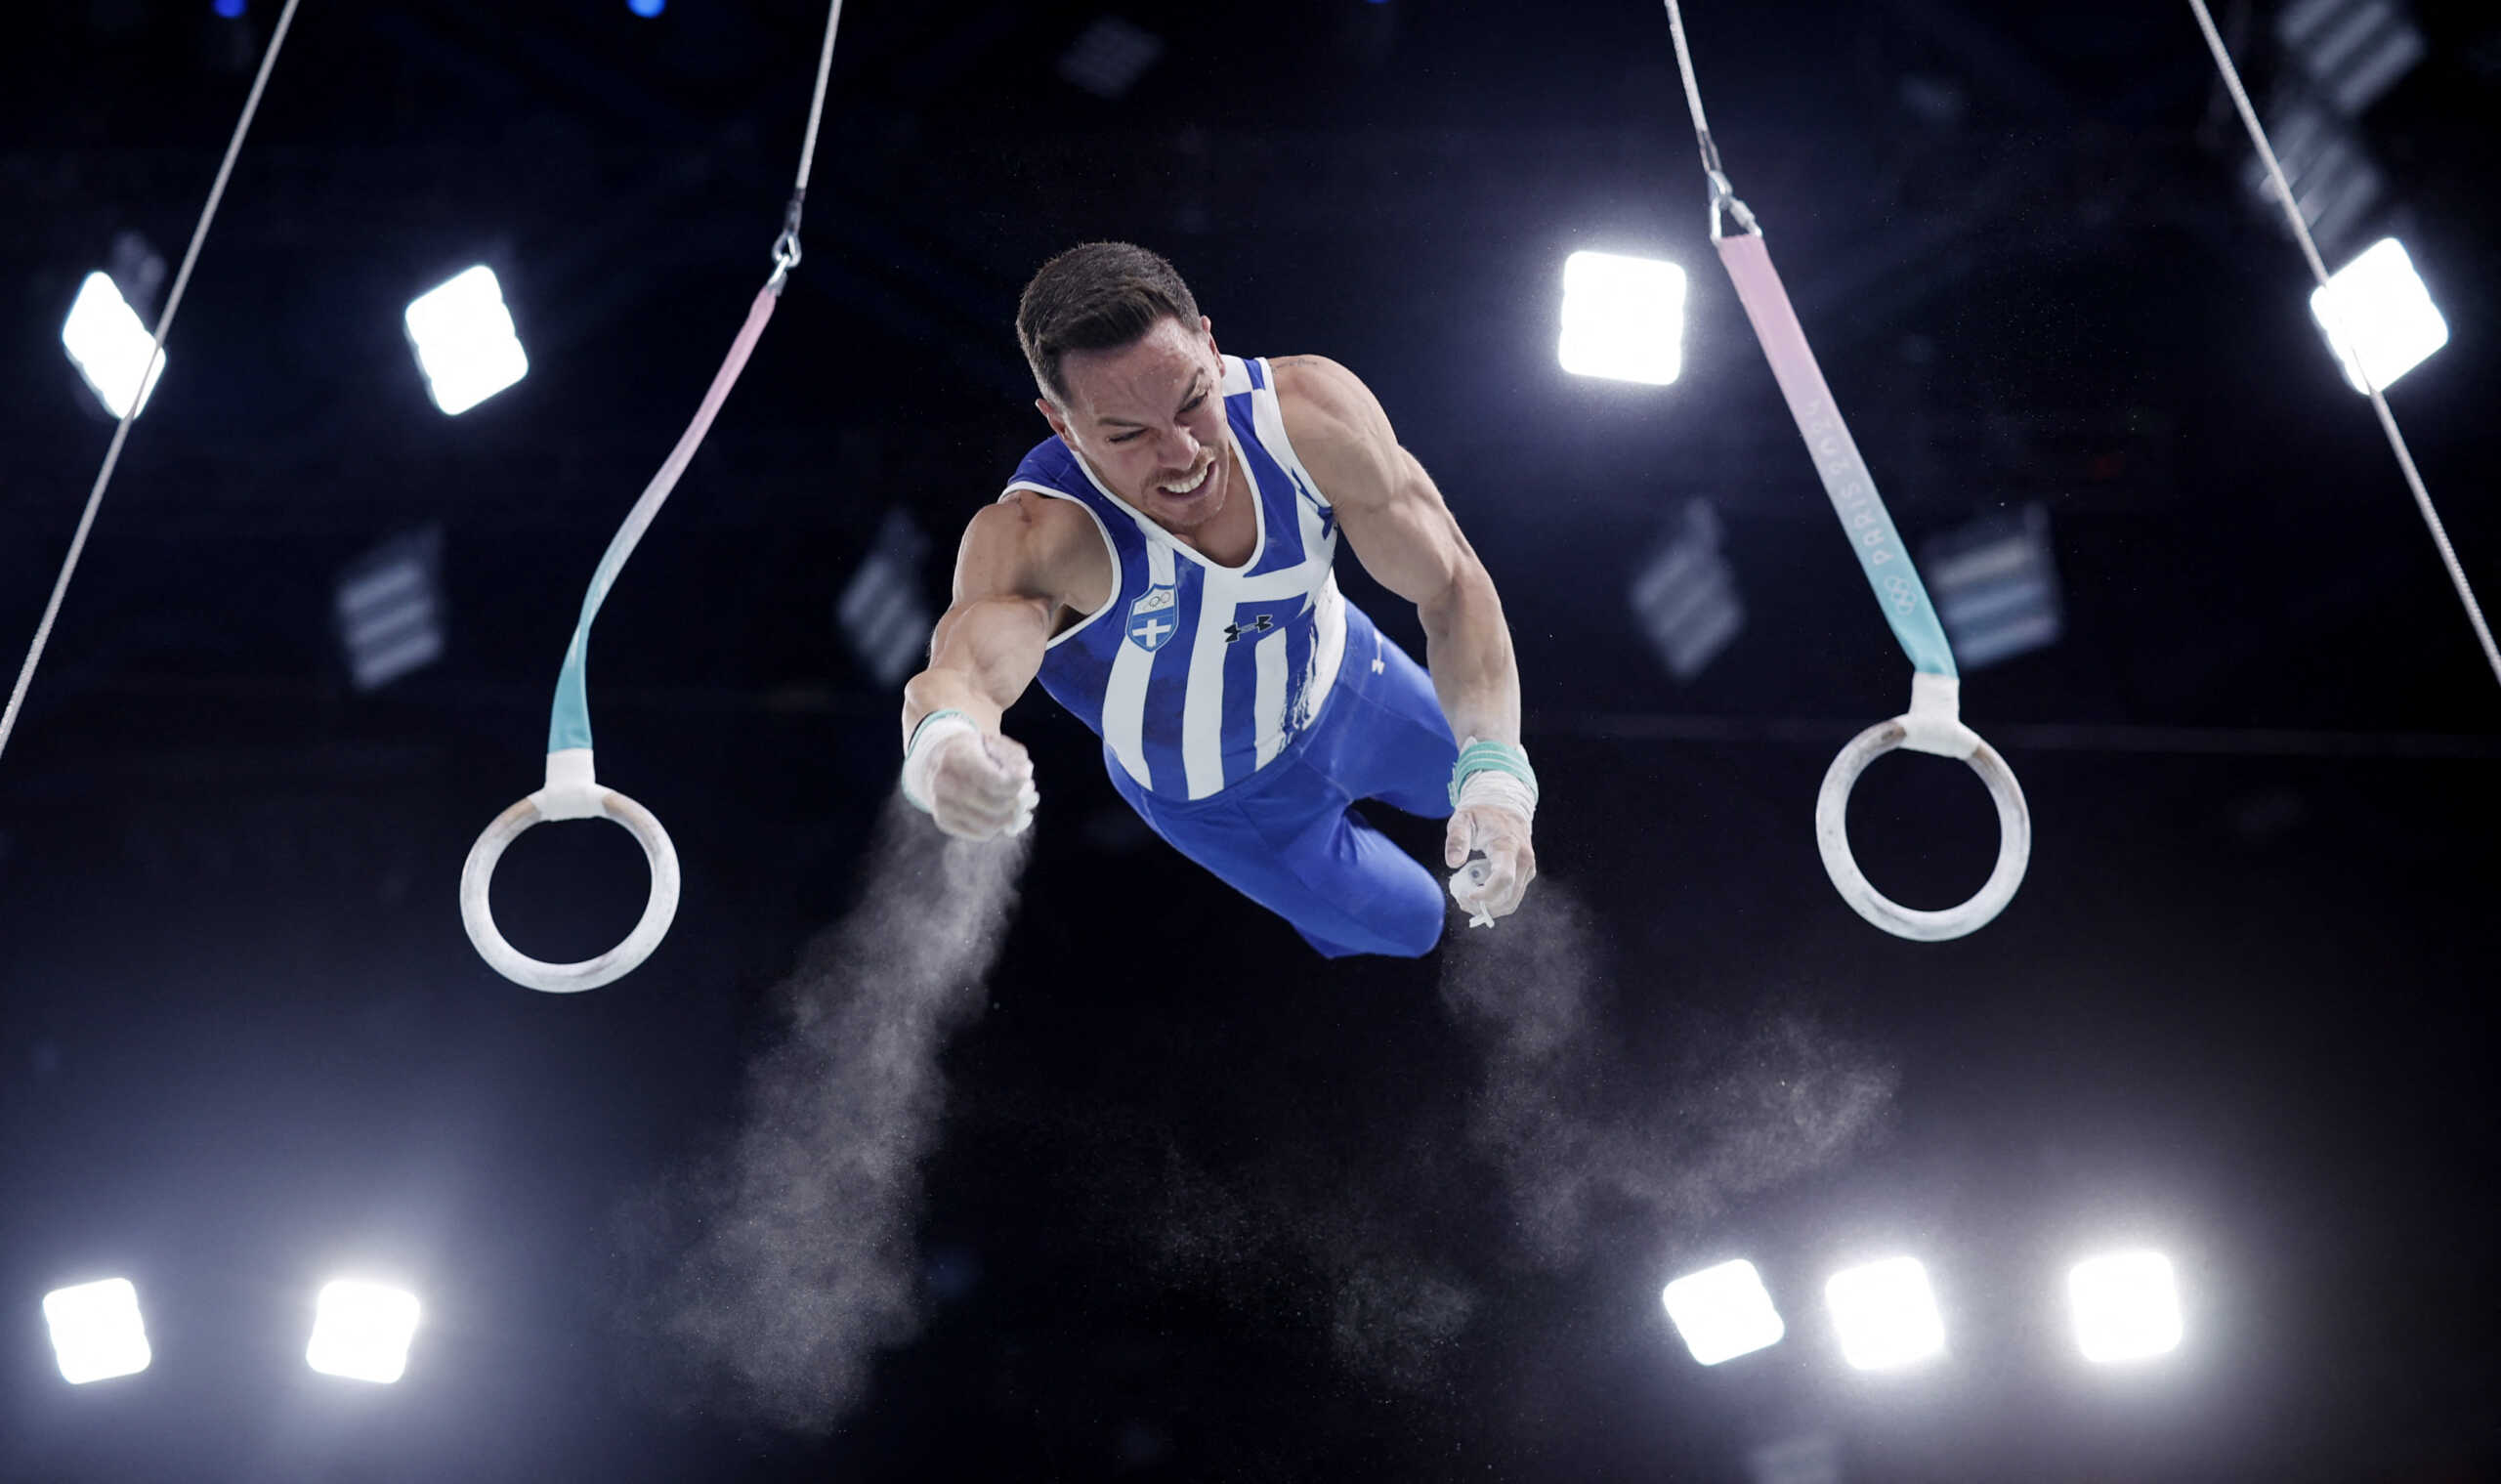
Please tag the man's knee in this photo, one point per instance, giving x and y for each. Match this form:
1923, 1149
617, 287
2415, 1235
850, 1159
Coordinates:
1404, 925
1416, 926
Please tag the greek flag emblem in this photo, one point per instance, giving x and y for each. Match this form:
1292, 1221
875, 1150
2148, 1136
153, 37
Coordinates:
1155, 617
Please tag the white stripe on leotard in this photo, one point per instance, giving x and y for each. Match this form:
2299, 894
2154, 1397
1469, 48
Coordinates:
1203, 704
1268, 699
1124, 697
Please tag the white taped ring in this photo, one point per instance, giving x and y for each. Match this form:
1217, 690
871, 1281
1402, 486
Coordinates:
1831, 837
478, 876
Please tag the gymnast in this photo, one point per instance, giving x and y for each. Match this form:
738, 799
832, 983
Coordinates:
1163, 564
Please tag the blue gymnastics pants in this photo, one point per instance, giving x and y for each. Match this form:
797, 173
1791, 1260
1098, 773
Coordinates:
1286, 836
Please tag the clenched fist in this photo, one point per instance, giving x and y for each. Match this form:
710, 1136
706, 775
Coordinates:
977, 785
1493, 807
1492, 887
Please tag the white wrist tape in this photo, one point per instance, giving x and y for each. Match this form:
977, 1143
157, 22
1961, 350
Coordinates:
1498, 790
933, 730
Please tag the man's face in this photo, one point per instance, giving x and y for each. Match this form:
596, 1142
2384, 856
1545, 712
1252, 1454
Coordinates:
1149, 417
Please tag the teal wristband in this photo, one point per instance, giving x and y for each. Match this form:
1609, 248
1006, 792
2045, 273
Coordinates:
922, 725
1491, 757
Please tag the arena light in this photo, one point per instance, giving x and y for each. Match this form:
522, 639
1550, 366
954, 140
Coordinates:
2127, 1307
2388, 323
1996, 585
96, 1330
362, 1330
389, 606
1886, 1315
2356, 49
1685, 597
2337, 185
882, 616
1623, 317
111, 348
1724, 1312
465, 342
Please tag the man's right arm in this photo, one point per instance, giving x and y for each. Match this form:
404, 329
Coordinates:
975, 782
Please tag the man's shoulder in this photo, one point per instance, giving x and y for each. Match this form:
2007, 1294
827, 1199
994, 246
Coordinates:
1322, 399
1316, 383
1044, 529
1335, 423
1029, 521
1034, 544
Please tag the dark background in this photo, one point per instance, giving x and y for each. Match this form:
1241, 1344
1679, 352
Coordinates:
2235, 1010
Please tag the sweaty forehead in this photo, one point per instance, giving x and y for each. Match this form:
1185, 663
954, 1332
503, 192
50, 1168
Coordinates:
1142, 383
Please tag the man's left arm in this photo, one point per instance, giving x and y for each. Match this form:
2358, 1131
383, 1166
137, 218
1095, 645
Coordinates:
1405, 535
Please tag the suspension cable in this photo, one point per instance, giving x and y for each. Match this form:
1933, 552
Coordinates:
2335, 316
156, 354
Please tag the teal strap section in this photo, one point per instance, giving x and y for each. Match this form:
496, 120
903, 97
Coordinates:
1888, 568
1491, 757
569, 724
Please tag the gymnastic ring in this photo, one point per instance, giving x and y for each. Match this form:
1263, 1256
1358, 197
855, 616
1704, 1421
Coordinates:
476, 879
1831, 837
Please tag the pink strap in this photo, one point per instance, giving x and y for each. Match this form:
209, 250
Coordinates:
569, 724
1881, 554
736, 363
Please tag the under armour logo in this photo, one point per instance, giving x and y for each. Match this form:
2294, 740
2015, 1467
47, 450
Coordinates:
1259, 625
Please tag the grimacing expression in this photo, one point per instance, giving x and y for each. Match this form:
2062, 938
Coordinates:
1149, 418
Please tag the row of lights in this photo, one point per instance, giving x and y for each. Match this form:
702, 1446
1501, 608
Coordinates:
2126, 1306
1623, 320
361, 1330
1624, 317
462, 333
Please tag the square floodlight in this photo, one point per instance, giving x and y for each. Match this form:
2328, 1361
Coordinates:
1623, 317
2386, 313
362, 1330
390, 609
112, 350
96, 1330
1724, 1312
1996, 586
882, 613
1685, 599
1885, 1314
465, 341
2127, 1307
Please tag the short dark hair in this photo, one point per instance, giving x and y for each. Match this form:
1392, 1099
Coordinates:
1097, 296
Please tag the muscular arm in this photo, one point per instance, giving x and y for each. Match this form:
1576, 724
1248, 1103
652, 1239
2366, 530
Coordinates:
1009, 591
982, 655
1404, 534
1017, 569
1394, 518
